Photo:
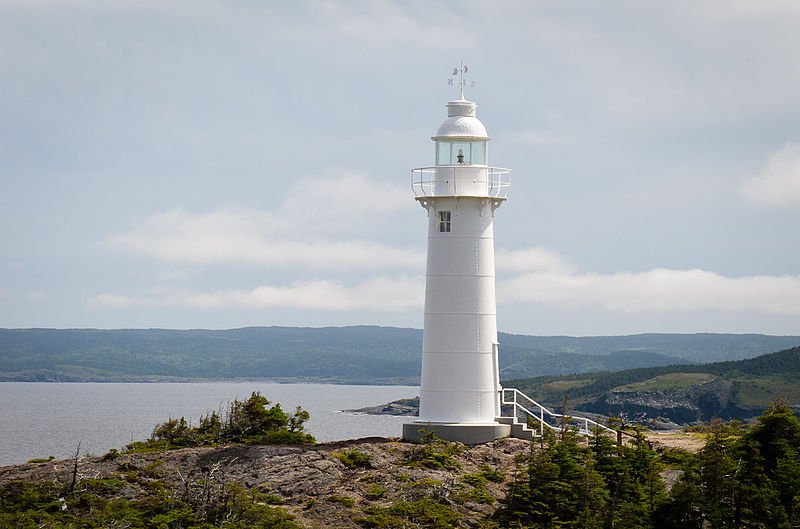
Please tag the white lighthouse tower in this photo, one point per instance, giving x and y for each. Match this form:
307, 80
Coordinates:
460, 386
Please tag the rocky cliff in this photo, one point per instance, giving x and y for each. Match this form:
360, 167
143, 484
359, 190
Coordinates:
699, 402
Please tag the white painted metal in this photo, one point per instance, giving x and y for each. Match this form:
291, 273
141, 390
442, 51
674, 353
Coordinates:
461, 122
523, 407
457, 180
460, 383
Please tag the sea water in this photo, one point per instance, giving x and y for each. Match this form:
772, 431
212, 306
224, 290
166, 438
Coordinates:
40, 419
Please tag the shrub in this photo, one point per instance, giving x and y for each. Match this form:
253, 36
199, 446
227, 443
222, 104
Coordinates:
353, 459
249, 422
41, 459
436, 453
495, 476
29, 505
421, 513
375, 492
347, 501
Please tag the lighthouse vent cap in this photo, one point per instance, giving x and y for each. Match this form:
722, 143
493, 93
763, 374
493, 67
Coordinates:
461, 107
461, 121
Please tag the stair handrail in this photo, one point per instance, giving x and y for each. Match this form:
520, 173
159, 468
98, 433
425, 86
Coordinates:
538, 418
544, 411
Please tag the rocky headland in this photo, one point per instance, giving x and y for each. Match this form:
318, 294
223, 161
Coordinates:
371, 482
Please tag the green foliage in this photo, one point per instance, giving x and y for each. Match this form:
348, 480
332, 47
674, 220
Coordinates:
676, 458
111, 455
353, 459
103, 487
565, 483
436, 453
424, 512
41, 459
347, 501
268, 498
491, 474
249, 422
477, 482
476, 493
741, 478
97, 503
474, 480
375, 492
752, 383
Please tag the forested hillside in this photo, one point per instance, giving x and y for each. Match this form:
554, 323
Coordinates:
361, 354
680, 393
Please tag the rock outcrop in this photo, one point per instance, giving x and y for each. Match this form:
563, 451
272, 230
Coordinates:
322, 486
698, 403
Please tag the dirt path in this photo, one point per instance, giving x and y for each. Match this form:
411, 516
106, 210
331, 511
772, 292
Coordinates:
690, 441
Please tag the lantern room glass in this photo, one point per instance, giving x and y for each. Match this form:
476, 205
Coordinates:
461, 152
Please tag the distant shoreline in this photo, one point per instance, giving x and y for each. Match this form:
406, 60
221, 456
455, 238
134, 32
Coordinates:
180, 380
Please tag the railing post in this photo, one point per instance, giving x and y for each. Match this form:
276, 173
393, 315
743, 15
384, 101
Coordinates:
515, 405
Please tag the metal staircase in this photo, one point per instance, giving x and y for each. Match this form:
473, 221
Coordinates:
523, 411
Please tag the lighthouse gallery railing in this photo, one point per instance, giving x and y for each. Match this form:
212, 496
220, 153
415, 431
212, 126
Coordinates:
443, 180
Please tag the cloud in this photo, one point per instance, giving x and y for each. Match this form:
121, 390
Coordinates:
36, 295
536, 259
381, 294
656, 290
117, 301
30, 295
778, 183
530, 276
311, 227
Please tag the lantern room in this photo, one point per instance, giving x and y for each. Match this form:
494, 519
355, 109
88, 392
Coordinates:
461, 138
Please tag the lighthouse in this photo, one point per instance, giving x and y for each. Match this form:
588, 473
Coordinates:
460, 384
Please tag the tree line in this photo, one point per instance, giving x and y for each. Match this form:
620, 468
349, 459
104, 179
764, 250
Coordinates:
744, 477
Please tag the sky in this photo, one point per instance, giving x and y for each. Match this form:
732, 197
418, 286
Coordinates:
220, 164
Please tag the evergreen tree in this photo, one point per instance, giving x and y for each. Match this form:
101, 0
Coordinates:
683, 509
557, 487
631, 474
770, 476
718, 477
741, 480
251, 421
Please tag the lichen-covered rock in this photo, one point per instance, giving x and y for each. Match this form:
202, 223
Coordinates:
319, 485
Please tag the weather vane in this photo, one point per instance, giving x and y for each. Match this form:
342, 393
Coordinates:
460, 71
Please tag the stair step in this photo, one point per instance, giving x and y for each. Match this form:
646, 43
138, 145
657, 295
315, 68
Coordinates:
542, 414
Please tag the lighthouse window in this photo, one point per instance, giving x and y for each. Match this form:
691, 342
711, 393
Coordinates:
444, 222
443, 153
478, 152
461, 152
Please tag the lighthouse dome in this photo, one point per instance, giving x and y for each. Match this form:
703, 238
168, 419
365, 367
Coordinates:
461, 122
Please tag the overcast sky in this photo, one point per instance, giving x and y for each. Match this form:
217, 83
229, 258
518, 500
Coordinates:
209, 164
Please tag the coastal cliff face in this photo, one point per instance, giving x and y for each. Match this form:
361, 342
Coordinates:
700, 402
372, 482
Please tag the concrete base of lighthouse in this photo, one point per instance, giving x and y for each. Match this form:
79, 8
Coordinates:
467, 433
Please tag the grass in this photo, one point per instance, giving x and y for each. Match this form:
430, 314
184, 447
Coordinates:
565, 385
761, 391
96, 503
668, 382
353, 459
